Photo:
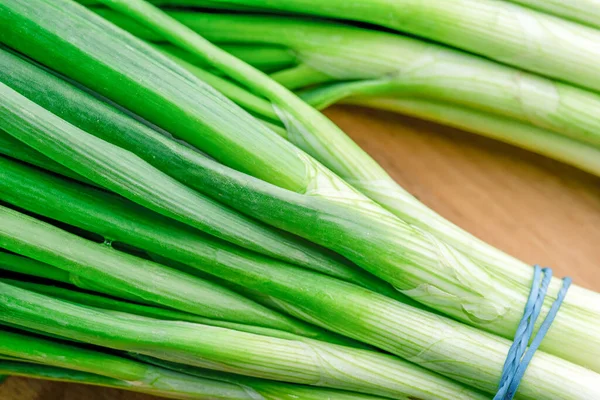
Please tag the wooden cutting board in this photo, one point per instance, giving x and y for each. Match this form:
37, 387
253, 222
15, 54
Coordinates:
531, 207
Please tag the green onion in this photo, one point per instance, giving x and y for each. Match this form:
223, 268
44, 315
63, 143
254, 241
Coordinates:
169, 385
583, 11
107, 303
183, 388
475, 312
124, 173
152, 282
248, 101
402, 66
68, 356
264, 387
508, 130
179, 161
537, 140
419, 336
265, 58
82, 39
307, 361
128, 374
300, 76
13, 148
28, 266
499, 30
122, 221
325, 209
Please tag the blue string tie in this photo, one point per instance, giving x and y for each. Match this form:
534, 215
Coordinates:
519, 356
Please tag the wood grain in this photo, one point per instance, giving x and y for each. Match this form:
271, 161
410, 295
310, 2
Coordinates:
531, 207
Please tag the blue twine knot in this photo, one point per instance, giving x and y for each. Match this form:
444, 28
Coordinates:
519, 356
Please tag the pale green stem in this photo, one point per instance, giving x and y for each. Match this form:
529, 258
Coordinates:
583, 11
342, 155
117, 371
300, 76
11, 147
107, 303
243, 98
510, 131
499, 30
265, 58
332, 214
307, 361
392, 65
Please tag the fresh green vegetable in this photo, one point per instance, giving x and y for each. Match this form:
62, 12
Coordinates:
114, 217
141, 278
13, 148
28, 266
265, 387
501, 128
107, 303
268, 390
307, 361
169, 385
300, 76
121, 220
305, 199
582, 11
537, 140
179, 161
499, 30
127, 374
477, 313
241, 97
392, 326
43, 351
391, 65
81, 39
124, 173
324, 209
265, 58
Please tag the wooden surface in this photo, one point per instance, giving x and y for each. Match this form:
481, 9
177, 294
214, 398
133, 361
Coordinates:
534, 208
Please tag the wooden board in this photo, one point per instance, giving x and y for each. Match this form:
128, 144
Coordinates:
534, 208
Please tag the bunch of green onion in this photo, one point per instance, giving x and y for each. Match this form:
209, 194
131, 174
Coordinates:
175, 221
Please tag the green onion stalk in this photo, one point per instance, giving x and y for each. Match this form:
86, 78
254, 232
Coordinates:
11, 147
296, 361
123, 172
384, 65
112, 125
298, 390
266, 58
53, 360
583, 11
125, 222
300, 139
516, 133
100, 268
192, 388
118, 305
187, 387
499, 30
521, 134
468, 355
305, 198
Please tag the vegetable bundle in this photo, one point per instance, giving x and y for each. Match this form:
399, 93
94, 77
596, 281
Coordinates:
175, 221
